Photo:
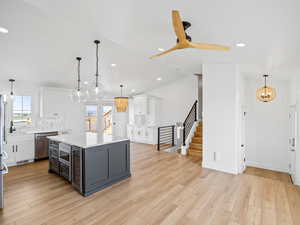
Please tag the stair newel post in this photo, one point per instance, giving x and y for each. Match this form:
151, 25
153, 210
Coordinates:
158, 138
173, 130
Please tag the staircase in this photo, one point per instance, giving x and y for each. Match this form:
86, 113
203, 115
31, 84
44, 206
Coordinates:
195, 147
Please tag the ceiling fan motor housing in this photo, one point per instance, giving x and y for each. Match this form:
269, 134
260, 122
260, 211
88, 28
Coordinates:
186, 25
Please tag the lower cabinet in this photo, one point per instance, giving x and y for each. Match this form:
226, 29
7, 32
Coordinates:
11, 155
94, 168
147, 135
19, 151
104, 165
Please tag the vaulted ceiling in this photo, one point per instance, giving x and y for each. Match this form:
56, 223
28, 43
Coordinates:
45, 36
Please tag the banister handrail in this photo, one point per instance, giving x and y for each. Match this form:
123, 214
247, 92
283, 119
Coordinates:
191, 118
191, 110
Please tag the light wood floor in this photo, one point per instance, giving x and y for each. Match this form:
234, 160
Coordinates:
165, 188
283, 177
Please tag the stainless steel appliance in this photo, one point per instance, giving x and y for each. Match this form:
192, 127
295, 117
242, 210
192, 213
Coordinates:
77, 168
42, 145
3, 155
64, 157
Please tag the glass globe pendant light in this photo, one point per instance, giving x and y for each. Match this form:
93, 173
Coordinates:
97, 94
266, 93
78, 95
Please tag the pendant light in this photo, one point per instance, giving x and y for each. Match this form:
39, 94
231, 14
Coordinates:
121, 102
11, 87
266, 93
77, 95
98, 92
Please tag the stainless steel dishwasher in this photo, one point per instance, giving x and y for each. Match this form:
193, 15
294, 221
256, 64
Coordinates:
42, 145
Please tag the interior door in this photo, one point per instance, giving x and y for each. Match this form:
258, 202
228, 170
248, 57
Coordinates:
292, 141
243, 139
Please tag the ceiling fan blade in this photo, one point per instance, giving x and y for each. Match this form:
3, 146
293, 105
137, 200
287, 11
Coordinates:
207, 46
165, 52
178, 26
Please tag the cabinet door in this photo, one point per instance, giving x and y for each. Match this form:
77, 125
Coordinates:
96, 168
118, 160
150, 135
24, 150
10, 150
140, 105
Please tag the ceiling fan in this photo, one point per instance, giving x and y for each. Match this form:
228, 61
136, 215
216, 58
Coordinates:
185, 41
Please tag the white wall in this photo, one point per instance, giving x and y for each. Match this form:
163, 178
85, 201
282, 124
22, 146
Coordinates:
177, 98
267, 127
295, 100
57, 102
221, 120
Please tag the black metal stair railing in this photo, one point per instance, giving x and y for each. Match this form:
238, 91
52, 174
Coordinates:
165, 137
189, 122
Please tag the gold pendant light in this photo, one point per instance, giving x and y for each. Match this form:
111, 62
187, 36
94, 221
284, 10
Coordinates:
121, 102
266, 93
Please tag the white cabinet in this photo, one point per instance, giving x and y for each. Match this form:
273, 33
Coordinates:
143, 119
11, 156
150, 135
130, 132
143, 134
20, 149
140, 105
24, 150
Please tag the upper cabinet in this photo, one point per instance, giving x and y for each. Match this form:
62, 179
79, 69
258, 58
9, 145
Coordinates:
144, 110
140, 105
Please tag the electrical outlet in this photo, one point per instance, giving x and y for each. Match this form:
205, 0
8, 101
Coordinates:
216, 156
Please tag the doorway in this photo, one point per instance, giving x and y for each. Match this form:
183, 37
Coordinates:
91, 118
292, 141
107, 120
243, 140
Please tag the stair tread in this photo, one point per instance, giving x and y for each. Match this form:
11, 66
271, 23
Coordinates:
196, 150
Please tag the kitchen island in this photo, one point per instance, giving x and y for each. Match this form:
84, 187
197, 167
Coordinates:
89, 162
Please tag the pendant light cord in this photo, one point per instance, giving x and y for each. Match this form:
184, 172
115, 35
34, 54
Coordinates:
11, 86
265, 80
78, 73
121, 86
97, 62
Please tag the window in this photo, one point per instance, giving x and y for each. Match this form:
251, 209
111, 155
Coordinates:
21, 112
91, 118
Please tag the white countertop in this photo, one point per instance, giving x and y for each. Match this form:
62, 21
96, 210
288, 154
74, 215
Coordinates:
86, 140
40, 131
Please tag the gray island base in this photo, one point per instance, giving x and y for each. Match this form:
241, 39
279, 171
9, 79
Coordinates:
90, 164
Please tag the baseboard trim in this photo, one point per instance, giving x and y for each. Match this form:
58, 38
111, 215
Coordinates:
213, 166
259, 165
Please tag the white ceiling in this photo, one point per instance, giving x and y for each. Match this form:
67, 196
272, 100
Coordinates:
45, 36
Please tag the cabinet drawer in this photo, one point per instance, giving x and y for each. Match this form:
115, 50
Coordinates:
64, 171
54, 165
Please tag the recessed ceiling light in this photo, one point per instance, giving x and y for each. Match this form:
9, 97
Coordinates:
240, 45
85, 82
132, 90
159, 78
160, 49
3, 30
113, 64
